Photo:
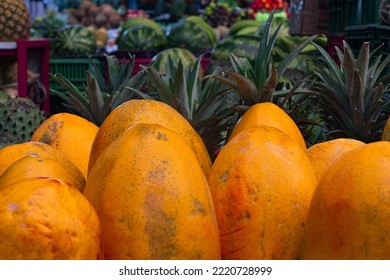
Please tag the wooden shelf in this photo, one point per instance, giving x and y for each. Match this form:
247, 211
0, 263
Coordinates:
20, 50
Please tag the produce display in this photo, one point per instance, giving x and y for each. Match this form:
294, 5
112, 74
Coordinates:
191, 33
89, 13
74, 40
140, 34
160, 60
234, 141
20, 117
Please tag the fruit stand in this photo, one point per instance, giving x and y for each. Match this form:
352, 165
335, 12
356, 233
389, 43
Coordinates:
22, 50
196, 130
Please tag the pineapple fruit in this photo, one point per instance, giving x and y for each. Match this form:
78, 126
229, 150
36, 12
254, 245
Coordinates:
14, 21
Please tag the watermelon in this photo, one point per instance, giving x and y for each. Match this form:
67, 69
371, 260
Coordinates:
137, 21
141, 38
240, 45
74, 40
188, 35
160, 60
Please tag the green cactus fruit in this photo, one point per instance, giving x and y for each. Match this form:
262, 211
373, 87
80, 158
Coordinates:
19, 118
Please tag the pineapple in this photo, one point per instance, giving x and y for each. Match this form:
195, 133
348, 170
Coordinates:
204, 103
101, 95
14, 20
352, 94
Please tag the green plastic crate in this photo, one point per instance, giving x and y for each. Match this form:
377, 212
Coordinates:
370, 11
71, 68
344, 13
376, 34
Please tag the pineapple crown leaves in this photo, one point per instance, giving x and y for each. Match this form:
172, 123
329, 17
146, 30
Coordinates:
184, 89
200, 101
258, 83
353, 91
100, 96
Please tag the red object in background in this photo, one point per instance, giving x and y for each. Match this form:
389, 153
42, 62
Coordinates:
22, 57
268, 5
335, 41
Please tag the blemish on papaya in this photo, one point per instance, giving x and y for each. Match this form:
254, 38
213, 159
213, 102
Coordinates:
54, 126
199, 208
160, 229
162, 136
45, 138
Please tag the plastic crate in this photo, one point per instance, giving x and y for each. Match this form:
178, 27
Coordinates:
72, 69
376, 34
370, 11
344, 13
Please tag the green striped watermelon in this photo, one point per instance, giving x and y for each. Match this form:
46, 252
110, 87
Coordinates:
160, 60
141, 38
240, 45
137, 21
188, 35
74, 40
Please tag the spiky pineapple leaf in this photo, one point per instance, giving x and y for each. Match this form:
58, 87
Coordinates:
264, 53
334, 69
95, 98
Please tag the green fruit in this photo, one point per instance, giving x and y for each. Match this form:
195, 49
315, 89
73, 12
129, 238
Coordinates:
207, 27
139, 21
160, 60
240, 45
74, 40
188, 35
19, 118
241, 24
141, 38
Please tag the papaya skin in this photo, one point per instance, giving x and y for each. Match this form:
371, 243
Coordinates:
349, 213
152, 198
261, 183
269, 114
153, 112
71, 134
322, 155
10, 154
31, 166
44, 218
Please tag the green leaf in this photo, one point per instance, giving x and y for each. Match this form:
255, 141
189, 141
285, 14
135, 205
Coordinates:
161, 87
283, 65
95, 98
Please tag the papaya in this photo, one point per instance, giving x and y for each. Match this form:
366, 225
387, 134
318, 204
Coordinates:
44, 218
152, 198
71, 134
322, 155
147, 111
269, 114
349, 213
261, 183
32, 166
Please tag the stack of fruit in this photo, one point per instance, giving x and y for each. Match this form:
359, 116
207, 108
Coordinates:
90, 14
